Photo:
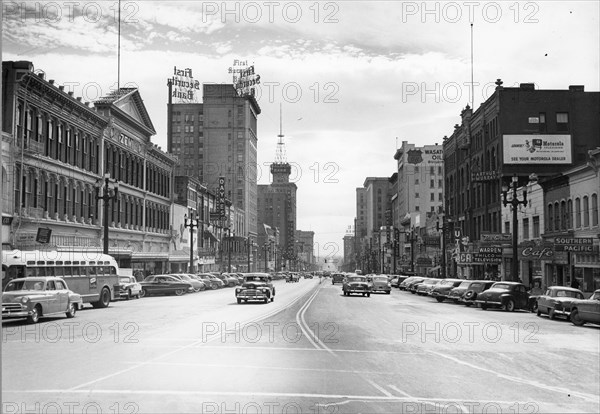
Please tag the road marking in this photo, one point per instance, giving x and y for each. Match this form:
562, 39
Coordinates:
304, 326
272, 348
564, 391
181, 348
399, 391
379, 387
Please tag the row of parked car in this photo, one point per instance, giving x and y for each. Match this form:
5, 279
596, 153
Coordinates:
176, 283
554, 301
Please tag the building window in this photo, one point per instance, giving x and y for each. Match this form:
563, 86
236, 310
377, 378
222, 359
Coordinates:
432, 197
542, 124
417, 208
416, 168
562, 121
416, 181
525, 229
432, 184
594, 209
586, 212
506, 227
577, 212
536, 227
416, 195
440, 197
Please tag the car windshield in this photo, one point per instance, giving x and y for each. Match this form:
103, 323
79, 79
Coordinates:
568, 294
380, 279
504, 286
431, 282
184, 277
446, 283
595, 296
464, 284
255, 279
356, 279
124, 280
24, 285
475, 285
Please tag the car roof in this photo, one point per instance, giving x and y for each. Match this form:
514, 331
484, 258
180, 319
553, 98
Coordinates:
564, 288
36, 278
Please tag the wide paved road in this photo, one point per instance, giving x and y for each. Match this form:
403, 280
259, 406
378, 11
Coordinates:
311, 351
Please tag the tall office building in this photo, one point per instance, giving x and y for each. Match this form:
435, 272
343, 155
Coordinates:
219, 138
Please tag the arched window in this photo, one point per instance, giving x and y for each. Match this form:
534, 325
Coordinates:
577, 212
550, 218
586, 211
595, 217
570, 214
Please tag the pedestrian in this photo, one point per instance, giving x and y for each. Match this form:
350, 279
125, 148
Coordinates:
574, 283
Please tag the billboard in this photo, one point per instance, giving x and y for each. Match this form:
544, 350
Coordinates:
537, 149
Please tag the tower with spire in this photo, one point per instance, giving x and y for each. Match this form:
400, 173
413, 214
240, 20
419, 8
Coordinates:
280, 169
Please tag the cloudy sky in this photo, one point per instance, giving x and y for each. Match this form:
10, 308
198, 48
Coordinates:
355, 78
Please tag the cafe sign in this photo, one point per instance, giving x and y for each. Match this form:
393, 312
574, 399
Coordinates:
542, 252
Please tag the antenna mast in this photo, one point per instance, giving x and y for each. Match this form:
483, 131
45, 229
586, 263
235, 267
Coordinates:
280, 156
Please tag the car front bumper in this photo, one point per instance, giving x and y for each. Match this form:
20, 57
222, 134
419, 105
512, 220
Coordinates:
14, 311
489, 303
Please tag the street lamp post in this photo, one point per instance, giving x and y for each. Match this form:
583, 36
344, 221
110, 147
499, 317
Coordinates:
443, 229
110, 189
192, 224
229, 250
514, 202
266, 249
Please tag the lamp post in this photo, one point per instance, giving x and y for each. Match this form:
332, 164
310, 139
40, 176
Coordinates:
443, 229
110, 190
192, 223
514, 202
229, 250
251, 244
266, 249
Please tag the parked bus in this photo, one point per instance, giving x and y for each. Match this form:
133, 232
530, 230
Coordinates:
91, 274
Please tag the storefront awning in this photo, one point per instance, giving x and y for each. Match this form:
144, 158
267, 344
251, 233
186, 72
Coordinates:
209, 235
181, 256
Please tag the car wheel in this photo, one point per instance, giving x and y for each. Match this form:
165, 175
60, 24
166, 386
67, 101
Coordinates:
534, 306
266, 300
196, 290
575, 318
538, 312
389, 292
468, 304
368, 295
129, 294
551, 314
179, 292
35, 314
239, 301
104, 299
483, 307
439, 299
71, 310
273, 298
143, 293
509, 305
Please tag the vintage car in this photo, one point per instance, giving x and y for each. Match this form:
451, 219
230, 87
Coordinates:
586, 310
209, 282
129, 287
404, 284
36, 297
557, 301
414, 284
442, 289
475, 288
425, 288
380, 283
459, 291
197, 285
292, 277
229, 279
196, 277
256, 286
356, 284
164, 284
506, 295
337, 278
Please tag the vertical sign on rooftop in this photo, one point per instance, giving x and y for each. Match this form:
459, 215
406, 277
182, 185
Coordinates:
221, 197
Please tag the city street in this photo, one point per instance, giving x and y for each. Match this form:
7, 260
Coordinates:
311, 350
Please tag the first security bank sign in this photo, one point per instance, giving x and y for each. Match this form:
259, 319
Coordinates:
183, 84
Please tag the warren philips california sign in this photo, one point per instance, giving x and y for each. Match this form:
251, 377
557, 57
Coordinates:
537, 149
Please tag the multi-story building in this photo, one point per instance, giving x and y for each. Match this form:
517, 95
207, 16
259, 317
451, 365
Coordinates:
219, 138
63, 150
305, 243
349, 253
514, 133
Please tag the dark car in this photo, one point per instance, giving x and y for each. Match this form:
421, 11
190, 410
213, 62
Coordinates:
404, 284
165, 285
506, 295
587, 310
474, 289
337, 278
414, 284
441, 290
557, 300
256, 286
208, 281
356, 284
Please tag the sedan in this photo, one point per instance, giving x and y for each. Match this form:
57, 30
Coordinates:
196, 284
210, 281
441, 290
36, 297
506, 295
380, 283
587, 310
129, 287
474, 288
164, 284
425, 288
557, 300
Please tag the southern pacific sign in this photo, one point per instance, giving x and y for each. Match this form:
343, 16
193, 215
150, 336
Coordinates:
575, 244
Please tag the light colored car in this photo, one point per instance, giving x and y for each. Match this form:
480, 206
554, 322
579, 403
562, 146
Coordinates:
37, 297
129, 287
586, 310
426, 287
199, 279
196, 284
557, 301
381, 283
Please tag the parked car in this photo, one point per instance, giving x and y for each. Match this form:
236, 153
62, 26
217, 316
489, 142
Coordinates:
37, 297
256, 286
380, 283
228, 279
129, 287
208, 281
459, 291
404, 284
337, 278
398, 279
308, 276
425, 288
164, 284
412, 286
474, 288
586, 310
196, 277
506, 295
196, 284
356, 284
218, 281
557, 300
441, 290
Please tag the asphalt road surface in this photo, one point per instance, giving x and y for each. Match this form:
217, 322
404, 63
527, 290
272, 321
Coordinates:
312, 350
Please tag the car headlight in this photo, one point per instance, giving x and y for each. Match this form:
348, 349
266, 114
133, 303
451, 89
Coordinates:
238, 290
389, 285
24, 299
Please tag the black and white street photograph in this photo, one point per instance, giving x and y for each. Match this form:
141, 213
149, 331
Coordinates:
300, 207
